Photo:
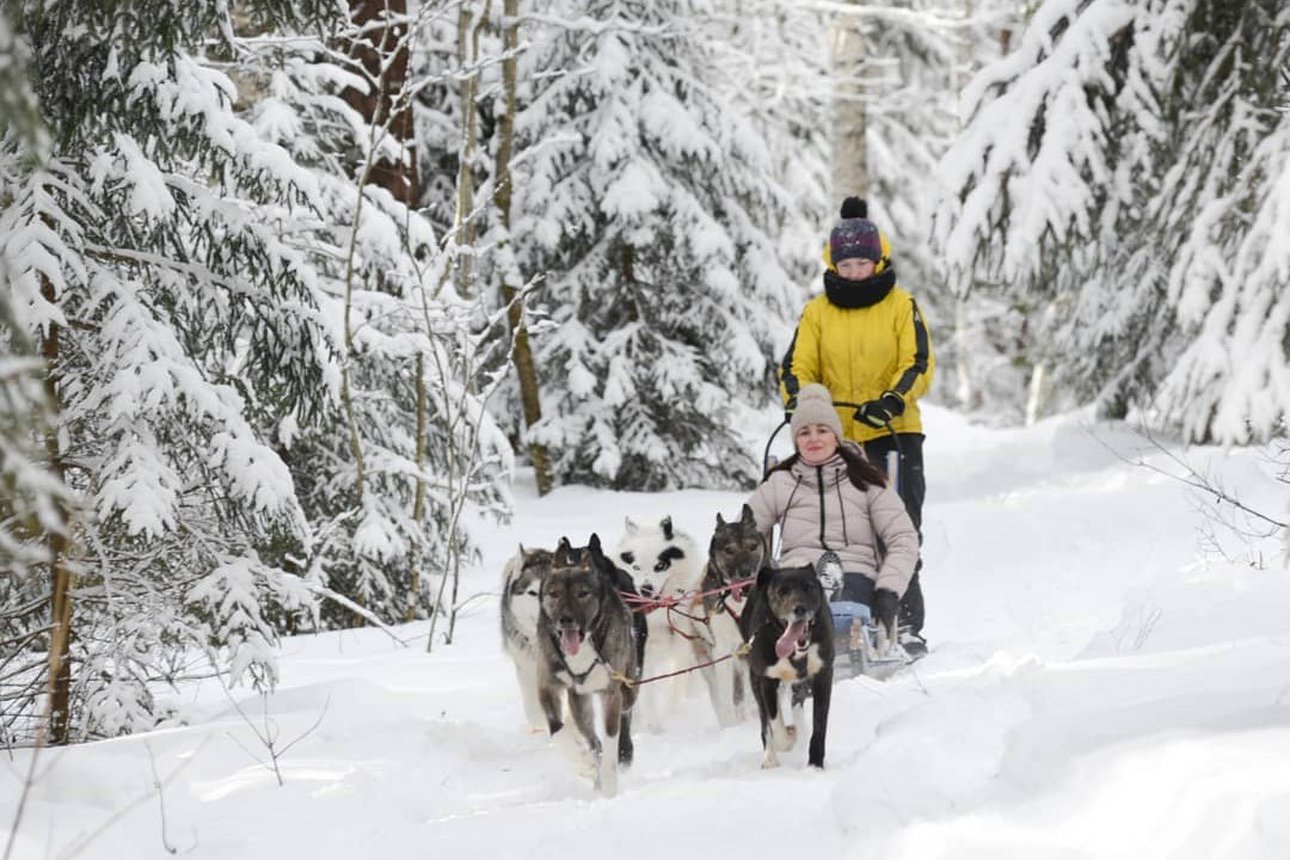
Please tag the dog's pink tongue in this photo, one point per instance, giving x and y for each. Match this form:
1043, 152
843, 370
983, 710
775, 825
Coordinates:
785, 644
571, 641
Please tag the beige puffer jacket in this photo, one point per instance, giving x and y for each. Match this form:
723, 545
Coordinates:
818, 508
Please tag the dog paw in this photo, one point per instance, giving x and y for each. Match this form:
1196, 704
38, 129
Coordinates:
769, 760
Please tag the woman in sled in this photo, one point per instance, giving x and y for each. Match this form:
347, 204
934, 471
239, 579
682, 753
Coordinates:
827, 497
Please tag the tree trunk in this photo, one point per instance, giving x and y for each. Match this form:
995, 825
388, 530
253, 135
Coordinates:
60, 574
522, 351
468, 32
850, 153
419, 497
386, 105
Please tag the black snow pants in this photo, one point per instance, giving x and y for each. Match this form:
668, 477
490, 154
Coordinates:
912, 489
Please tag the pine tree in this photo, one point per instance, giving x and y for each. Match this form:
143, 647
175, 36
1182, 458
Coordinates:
1121, 182
651, 206
169, 247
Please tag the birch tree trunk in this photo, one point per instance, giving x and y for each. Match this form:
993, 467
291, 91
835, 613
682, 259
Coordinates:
850, 153
512, 279
469, 27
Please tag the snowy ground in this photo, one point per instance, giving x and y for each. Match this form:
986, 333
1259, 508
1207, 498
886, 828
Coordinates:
1098, 687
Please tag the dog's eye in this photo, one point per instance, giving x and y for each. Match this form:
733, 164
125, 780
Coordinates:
533, 592
584, 593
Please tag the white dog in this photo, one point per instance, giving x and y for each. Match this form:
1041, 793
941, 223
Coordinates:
664, 564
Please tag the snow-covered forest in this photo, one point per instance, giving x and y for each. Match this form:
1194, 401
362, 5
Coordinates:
293, 291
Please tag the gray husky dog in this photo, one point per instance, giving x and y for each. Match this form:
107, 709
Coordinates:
587, 644
521, 583
735, 555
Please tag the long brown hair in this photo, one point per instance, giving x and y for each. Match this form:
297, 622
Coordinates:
860, 470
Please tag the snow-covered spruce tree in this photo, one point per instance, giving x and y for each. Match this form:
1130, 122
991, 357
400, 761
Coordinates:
168, 245
1124, 181
652, 206
384, 476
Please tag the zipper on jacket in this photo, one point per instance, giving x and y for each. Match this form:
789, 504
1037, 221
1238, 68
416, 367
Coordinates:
842, 508
819, 480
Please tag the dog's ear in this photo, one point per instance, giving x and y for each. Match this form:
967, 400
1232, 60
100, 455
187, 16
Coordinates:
562, 553
666, 525
746, 515
631, 526
764, 576
720, 520
594, 545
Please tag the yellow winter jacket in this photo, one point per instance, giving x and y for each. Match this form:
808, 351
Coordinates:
860, 353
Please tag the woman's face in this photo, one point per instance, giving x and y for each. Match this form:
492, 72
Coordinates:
816, 443
856, 268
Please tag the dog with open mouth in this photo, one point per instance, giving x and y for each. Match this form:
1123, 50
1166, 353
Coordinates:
587, 647
789, 630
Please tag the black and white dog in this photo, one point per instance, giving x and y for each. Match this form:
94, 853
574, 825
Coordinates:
789, 629
521, 583
735, 554
587, 645
663, 563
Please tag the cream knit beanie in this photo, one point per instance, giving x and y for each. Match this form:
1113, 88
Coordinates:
815, 406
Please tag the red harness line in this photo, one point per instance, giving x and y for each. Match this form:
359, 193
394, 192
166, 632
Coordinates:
647, 604
637, 603
703, 665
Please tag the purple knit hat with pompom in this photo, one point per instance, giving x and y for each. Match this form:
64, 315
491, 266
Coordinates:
855, 236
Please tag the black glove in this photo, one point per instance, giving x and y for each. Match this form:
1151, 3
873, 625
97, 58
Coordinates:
879, 413
885, 606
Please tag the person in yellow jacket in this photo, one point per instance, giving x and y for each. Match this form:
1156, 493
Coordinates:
865, 339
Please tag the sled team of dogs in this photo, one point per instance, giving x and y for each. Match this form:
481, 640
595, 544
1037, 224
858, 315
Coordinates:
583, 625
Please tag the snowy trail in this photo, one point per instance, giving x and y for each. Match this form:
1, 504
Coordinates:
1094, 691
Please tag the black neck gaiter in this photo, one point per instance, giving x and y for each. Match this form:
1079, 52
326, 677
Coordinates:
865, 293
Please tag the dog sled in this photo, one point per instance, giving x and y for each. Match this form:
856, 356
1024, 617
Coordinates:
860, 647
857, 637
